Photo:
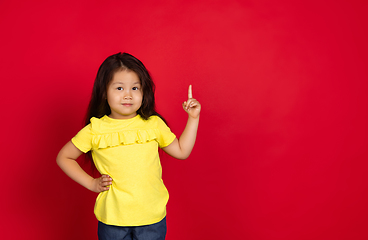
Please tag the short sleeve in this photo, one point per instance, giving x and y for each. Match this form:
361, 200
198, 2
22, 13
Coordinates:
166, 137
83, 139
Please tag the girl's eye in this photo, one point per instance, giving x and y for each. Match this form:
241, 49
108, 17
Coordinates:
119, 88
135, 88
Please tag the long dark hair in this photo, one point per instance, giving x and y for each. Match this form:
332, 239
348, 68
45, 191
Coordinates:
98, 106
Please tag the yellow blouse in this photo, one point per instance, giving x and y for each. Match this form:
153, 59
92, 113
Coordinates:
127, 150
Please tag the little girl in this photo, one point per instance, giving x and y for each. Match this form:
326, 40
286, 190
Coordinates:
123, 132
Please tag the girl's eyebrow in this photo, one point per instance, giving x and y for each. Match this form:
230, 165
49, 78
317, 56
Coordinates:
123, 83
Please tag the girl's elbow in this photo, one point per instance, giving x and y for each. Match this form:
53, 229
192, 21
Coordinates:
59, 160
183, 156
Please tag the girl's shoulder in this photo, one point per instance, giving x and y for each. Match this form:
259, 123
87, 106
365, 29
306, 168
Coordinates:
156, 121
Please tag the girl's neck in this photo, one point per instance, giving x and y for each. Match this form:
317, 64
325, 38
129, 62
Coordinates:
122, 118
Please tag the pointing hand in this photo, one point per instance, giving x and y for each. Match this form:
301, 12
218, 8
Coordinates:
192, 106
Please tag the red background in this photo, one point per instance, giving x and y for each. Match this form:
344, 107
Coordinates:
281, 151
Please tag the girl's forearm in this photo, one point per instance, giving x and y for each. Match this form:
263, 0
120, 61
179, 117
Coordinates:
188, 137
182, 148
66, 160
75, 172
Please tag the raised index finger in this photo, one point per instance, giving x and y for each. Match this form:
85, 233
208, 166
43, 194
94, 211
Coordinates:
190, 92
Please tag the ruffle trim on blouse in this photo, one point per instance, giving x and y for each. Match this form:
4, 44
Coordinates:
125, 137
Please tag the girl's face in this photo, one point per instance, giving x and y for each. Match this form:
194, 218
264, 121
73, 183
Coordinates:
124, 95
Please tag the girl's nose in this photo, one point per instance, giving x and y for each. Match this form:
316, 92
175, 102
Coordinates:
128, 97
